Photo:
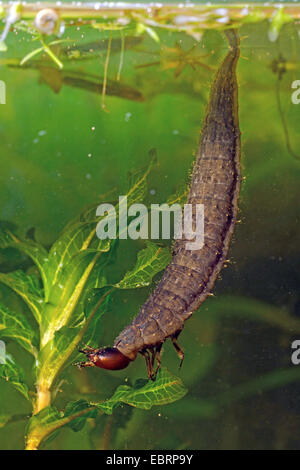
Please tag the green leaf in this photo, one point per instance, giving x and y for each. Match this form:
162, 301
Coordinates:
15, 326
66, 300
41, 426
75, 407
47, 422
77, 239
50, 419
35, 251
27, 287
54, 355
150, 261
167, 388
11, 372
46, 416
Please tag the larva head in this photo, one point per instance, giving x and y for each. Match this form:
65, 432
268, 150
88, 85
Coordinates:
107, 358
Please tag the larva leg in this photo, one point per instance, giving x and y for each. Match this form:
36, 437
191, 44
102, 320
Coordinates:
158, 357
153, 356
178, 350
87, 349
149, 364
84, 364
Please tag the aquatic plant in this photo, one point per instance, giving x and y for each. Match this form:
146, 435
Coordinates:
143, 18
67, 298
46, 24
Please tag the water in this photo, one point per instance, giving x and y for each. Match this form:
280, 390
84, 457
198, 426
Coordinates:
60, 150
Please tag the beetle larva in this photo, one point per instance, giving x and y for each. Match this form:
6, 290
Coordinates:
191, 275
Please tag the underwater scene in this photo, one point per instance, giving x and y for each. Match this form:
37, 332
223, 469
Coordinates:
118, 108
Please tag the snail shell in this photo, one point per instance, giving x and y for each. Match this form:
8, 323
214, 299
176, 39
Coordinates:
47, 21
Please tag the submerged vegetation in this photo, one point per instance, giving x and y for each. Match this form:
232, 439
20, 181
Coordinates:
57, 296
67, 300
44, 24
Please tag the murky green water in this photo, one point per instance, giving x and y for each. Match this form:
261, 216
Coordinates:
60, 150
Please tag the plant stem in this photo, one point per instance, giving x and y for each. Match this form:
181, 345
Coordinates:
105, 73
32, 443
43, 399
39, 433
43, 395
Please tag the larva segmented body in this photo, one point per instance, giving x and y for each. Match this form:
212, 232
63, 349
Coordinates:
190, 276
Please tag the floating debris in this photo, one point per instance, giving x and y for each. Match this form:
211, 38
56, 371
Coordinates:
92, 50
47, 21
56, 79
176, 58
